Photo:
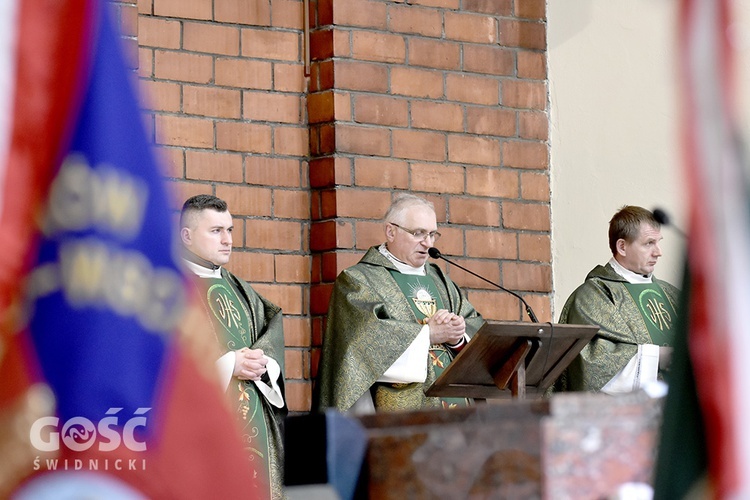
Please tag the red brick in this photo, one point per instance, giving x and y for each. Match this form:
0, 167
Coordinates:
341, 43
238, 241
532, 65
531, 9
475, 28
171, 161
254, 266
416, 20
446, 4
361, 13
380, 47
488, 60
321, 44
533, 125
437, 178
183, 67
289, 77
157, 32
146, 7
342, 106
416, 82
266, 171
161, 96
535, 186
542, 306
474, 211
292, 268
495, 182
272, 107
491, 244
525, 154
287, 297
181, 191
473, 89
248, 137
499, 305
381, 110
524, 94
490, 121
211, 101
213, 166
246, 200
496, 7
293, 364
242, 73
265, 44
334, 263
533, 217
361, 204
473, 149
291, 141
145, 63
231, 11
320, 107
297, 331
327, 172
527, 35
182, 131
369, 234
489, 269
437, 116
385, 173
274, 234
528, 277
287, 14
330, 235
185, 9
363, 140
289, 204
534, 247
434, 54
211, 38
452, 241
320, 296
321, 12
419, 145
361, 76
299, 396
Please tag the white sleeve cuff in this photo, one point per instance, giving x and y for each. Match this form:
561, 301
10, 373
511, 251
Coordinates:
225, 367
411, 366
272, 392
642, 369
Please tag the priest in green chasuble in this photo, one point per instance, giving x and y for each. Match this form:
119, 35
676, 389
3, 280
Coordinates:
394, 321
635, 312
248, 330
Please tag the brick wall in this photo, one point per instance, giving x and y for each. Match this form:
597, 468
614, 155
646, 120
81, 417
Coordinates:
446, 98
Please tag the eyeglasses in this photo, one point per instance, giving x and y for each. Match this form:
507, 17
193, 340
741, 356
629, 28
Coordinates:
419, 234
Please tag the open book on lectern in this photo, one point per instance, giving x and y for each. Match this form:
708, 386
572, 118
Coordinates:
507, 359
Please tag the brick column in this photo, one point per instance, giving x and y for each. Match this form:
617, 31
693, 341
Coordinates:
447, 99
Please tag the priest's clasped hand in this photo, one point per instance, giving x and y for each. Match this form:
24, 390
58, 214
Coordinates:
446, 327
249, 364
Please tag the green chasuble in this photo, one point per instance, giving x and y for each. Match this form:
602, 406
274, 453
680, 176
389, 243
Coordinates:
242, 318
370, 324
605, 300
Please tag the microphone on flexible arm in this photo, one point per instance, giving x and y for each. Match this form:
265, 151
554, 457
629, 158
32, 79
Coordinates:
663, 219
436, 254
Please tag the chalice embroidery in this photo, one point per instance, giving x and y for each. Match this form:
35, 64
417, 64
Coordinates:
425, 303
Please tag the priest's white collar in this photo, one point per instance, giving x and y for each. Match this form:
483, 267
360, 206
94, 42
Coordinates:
630, 276
202, 272
402, 266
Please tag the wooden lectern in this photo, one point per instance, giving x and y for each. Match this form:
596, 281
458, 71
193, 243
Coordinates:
512, 359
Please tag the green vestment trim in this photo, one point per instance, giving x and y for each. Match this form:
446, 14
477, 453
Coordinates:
658, 314
242, 318
370, 324
422, 294
604, 300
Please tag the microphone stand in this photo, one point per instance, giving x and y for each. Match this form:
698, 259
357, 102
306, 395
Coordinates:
436, 254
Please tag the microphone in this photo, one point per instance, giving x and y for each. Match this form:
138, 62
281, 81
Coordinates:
663, 219
436, 254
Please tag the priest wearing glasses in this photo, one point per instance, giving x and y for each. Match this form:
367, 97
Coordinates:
394, 321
